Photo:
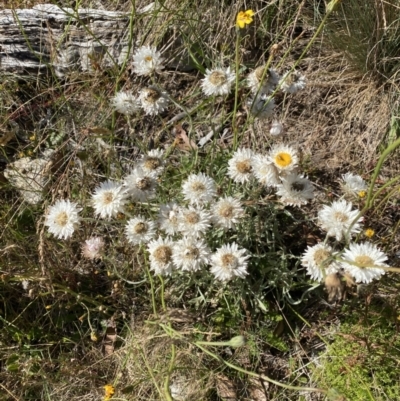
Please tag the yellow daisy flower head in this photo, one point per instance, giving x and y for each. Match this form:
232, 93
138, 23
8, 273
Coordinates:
369, 232
109, 391
244, 18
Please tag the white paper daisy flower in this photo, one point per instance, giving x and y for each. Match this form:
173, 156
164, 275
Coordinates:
265, 171
256, 83
147, 60
284, 157
190, 254
140, 230
354, 184
199, 189
362, 261
153, 100
93, 248
295, 190
319, 262
62, 218
140, 185
228, 262
194, 222
109, 199
227, 212
262, 106
125, 103
292, 82
276, 128
240, 166
161, 251
218, 81
153, 163
168, 218
338, 220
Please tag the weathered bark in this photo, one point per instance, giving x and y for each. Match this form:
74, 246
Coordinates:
33, 40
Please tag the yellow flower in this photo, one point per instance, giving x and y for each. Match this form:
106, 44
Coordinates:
109, 391
362, 194
244, 18
369, 232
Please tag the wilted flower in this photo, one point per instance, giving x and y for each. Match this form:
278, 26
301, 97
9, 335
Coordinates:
262, 106
199, 189
93, 248
258, 84
153, 100
319, 262
276, 128
125, 103
147, 60
218, 81
228, 262
292, 82
338, 219
362, 261
62, 218
295, 190
244, 18
109, 199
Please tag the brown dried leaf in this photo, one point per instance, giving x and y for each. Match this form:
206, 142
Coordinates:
258, 390
226, 388
182, 141
100, 131
7, 137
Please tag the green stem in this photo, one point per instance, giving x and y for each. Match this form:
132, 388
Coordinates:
234, 127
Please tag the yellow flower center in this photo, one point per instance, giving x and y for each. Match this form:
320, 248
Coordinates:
363, 261
229, 261
341, 217
226, 211
192, 217
198, 187
320, 256
140, 228
144, 184
152, 95
283, 159
217, 78
244, 167
163, 254
62, 219
191, 253
362, 194
148, 58
152, 163
108, 197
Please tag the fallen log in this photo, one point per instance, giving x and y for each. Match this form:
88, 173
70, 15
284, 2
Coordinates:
48, 36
